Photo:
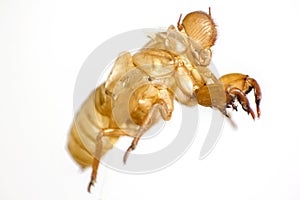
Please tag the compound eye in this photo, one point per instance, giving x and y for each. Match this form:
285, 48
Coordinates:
200, 27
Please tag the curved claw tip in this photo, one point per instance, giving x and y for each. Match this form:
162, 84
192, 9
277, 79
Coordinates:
125, 157
91, 184
252, 114
258, 113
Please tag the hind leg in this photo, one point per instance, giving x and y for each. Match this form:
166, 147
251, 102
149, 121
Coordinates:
96, 161
101, 148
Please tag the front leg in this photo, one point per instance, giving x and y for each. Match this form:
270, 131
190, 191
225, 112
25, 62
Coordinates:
237, 86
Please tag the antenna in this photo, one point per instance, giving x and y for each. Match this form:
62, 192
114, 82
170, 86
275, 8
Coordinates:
179, 26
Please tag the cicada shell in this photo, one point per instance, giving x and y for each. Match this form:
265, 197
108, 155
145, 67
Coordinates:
142, 87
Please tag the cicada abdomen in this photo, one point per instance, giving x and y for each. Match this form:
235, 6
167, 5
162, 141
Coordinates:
114, 109
93, 116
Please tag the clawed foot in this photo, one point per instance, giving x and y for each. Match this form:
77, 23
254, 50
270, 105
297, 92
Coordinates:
91, 184
236, 93
237, 86
130, 149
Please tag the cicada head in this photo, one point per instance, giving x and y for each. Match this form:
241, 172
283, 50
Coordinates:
200, 27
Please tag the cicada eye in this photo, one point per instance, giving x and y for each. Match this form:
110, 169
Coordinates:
200, 27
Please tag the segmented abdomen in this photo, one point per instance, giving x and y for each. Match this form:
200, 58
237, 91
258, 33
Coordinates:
93, 116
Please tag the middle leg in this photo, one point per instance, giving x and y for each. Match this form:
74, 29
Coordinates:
164, 104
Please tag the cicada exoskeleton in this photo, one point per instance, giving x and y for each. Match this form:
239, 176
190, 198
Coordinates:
142, 87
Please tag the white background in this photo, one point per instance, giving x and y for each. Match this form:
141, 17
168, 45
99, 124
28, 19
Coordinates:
43, 45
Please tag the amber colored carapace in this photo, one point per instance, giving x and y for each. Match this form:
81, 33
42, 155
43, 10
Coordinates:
142, 87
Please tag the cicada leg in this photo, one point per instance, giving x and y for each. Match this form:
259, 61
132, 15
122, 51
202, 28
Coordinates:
237, 93
96, 161
140, 133
131, 148
111, 132
165, 112
237, 87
